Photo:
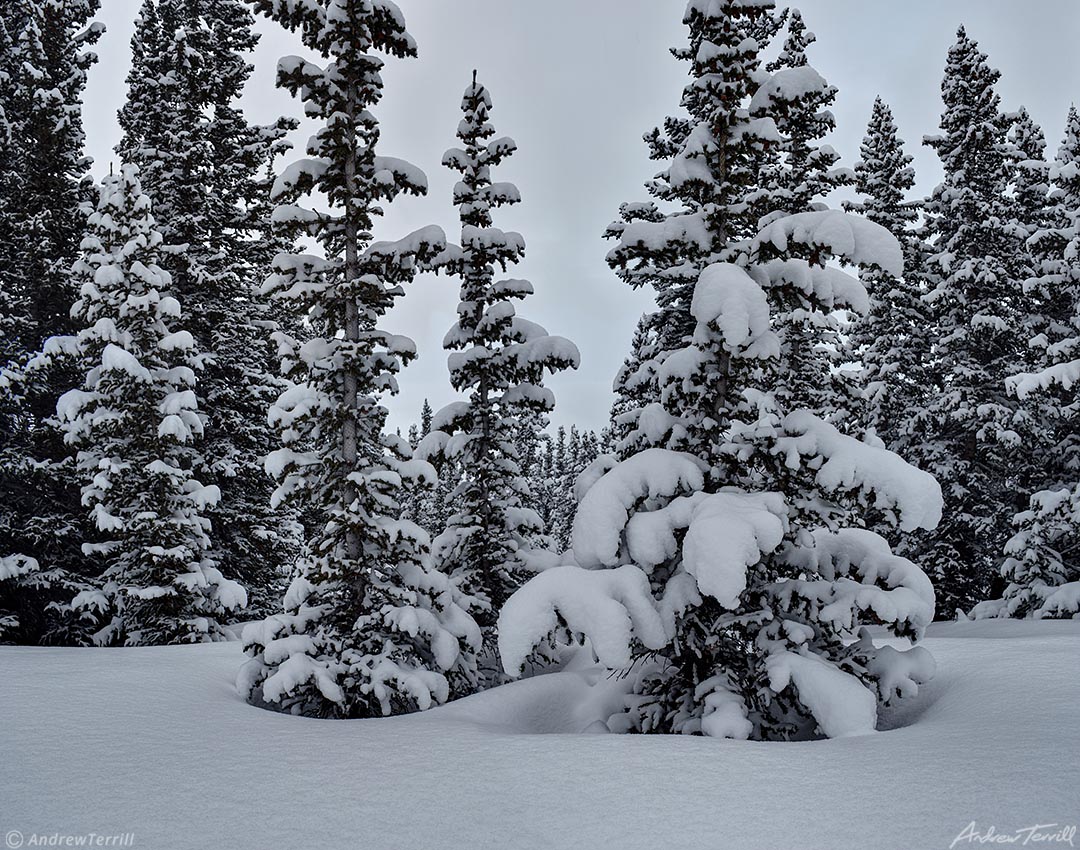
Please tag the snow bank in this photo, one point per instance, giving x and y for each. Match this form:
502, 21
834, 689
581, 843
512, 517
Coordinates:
86, 732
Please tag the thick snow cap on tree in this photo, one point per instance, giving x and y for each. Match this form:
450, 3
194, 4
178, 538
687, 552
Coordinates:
840, 703
787, 85
834, 288
729, 532
861, 580
609, 607
720, 535
1064, 375
727, 298
851, 464
838, 234
688, 230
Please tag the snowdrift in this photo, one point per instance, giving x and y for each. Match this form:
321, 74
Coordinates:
157, 742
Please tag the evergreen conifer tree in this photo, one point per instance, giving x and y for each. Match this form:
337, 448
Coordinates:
369, 627
721, 555
44, 59
971, 438
204, 165
893, 341
136, 423
498, 362
1042, 565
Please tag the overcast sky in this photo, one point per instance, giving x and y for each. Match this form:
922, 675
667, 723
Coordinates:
576, 83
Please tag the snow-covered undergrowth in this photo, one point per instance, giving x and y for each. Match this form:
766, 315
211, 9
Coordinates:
156, 741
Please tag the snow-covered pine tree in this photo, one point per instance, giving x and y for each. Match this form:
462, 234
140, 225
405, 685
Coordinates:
795, 177
204, 166
533, 444
721, 557
567, 506
369, 628
893, 341
1029, 188
498, 362
8, 208
426, 415
712, 186
581, 450
1042, 565
44, 58
135, 422
971, 437
799, 99
423, 504
633, 384
1030, 176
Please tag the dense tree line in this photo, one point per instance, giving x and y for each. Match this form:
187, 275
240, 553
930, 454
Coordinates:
832, 418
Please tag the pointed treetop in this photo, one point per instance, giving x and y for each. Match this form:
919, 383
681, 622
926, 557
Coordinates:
1070, 145
793, 53
1027, 136
972, 123
883, 174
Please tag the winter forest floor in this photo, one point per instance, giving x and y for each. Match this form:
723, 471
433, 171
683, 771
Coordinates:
156, 742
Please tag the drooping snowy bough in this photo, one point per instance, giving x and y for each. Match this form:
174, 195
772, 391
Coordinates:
721, 555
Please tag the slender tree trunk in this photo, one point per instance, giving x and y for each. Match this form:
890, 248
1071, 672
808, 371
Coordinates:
349, 447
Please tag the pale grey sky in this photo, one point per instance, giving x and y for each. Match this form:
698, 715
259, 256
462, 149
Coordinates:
576, 83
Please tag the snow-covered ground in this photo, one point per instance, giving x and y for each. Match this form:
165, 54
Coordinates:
156, 742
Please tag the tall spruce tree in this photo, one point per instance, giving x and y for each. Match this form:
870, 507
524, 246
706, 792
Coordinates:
204, 165
721, 556
893, 341
794, 180
1029, 188
971, 439
715, 156
368, 628
44, 58
423, 504
1042, 564
135, 421
498, 361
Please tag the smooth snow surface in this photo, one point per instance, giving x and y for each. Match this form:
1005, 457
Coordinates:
157, 742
